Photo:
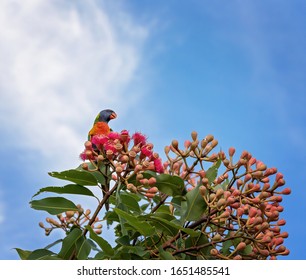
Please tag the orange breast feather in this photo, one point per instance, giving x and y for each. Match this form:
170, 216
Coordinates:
99, 128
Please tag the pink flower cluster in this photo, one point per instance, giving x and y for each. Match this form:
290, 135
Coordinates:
126, 153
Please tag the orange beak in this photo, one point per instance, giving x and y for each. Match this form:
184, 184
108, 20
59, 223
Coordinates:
113, 116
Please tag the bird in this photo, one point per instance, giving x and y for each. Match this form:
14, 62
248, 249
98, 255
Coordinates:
100, 125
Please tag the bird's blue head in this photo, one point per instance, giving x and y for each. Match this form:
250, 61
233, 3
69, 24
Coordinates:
106, 116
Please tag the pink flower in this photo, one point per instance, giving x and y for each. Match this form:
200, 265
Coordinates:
113, 135
83, 156
99, 139
87, 154
139, 139
125, 137
158, 165
110, 146
146, 150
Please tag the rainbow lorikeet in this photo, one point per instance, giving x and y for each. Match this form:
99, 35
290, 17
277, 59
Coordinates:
100, 127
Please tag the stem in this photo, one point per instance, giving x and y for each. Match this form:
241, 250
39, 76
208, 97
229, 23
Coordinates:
93, 218
103, 201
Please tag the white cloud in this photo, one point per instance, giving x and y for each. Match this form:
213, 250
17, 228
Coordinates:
60, 64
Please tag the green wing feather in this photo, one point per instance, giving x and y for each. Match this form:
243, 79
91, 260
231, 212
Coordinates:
97, 118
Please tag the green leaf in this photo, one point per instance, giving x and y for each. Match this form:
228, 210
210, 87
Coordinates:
48, 257
165, 226
195, 205
100, 175
68, 189
212, 172
53, 244
168, 184
164, 255
123, 240
248, 250
69, 243
103, 244
130, 202
39, 254
23, 254
53, 205
83, 178
143, 228
139, 251
171, 185
83, 248
226, 247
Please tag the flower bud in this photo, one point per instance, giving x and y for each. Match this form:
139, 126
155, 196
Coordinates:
286, 191
100, 158
150, 195
219, 192
241, 246
109, 154
118, 147
239, 183
88, 145
69, 214
202, 173
41, 224
187, 144
132, 154
214, 252
261, 167
85, 166
88, 154
247, 177
119, 169
153, 190
174, 144
124, 159
209, 138
202, 190
240, 211
194, 145
212, 197
217, 237
221, 203
257, 174
205, 181
167, 150
204, 143
231, 151
214, 143
281, 222
252, 212
226, 163
152, 181
144, 181
137, 168
194, 135
284, 234
281, 182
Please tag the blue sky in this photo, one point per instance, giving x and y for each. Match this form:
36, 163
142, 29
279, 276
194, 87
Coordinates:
234, 69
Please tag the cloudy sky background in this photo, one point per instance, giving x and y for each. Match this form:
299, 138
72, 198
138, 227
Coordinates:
235, 69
